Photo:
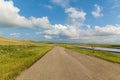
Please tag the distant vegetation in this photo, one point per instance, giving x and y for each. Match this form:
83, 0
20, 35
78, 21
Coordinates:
101, 45
112, 57
15, 56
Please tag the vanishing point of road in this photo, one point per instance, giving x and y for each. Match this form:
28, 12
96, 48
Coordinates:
63, 64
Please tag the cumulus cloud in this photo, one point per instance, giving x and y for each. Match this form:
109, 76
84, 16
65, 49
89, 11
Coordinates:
9, 16
75, 14
72, 31
62, 3
107, 33
97, 13
40, 22
63, 31
108, 30
75, 17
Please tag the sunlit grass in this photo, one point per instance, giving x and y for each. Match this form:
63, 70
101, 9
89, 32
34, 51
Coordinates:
16, 58
109, 56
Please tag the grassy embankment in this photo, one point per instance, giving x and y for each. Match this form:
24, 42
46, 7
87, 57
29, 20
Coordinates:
112, 57
15, 58
17, 55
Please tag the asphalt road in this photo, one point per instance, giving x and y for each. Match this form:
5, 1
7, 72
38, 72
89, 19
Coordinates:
63, 64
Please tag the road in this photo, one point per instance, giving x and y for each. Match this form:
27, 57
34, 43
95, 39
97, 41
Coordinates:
63, 64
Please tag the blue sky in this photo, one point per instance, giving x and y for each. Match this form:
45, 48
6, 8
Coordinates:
78, 21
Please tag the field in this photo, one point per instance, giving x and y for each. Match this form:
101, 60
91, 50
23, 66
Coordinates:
18, 55
15, 56
109, 56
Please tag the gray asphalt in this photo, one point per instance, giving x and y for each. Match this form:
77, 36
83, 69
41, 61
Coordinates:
63, 64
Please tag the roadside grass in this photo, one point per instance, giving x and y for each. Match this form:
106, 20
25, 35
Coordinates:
15, 58
109, 56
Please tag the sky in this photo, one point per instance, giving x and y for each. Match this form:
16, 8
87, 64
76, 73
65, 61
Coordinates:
74, 21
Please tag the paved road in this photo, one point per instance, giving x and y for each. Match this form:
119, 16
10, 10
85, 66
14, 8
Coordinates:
62, 64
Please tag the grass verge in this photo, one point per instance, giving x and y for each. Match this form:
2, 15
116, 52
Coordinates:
109, 56
16, 58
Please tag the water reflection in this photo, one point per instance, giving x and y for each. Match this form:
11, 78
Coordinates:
101, 49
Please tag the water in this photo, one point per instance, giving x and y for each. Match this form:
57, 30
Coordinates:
101, 49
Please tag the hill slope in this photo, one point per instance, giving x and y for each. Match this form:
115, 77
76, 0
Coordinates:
7, 41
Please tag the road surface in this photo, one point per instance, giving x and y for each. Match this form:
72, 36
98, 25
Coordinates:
63, 64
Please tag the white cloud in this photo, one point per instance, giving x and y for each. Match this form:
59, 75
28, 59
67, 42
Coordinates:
62, 3
38, 33
88, 26
97, 13
15, 35
108, 30
40, 22
47, 37
75, 17
72, 29
63, 31
75, 14
9, 16
55, 30
48, 6
106, 34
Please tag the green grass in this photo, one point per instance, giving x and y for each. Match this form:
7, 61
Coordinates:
16, 58
112, 57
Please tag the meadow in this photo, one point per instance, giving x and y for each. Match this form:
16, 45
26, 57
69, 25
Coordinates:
16, 58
